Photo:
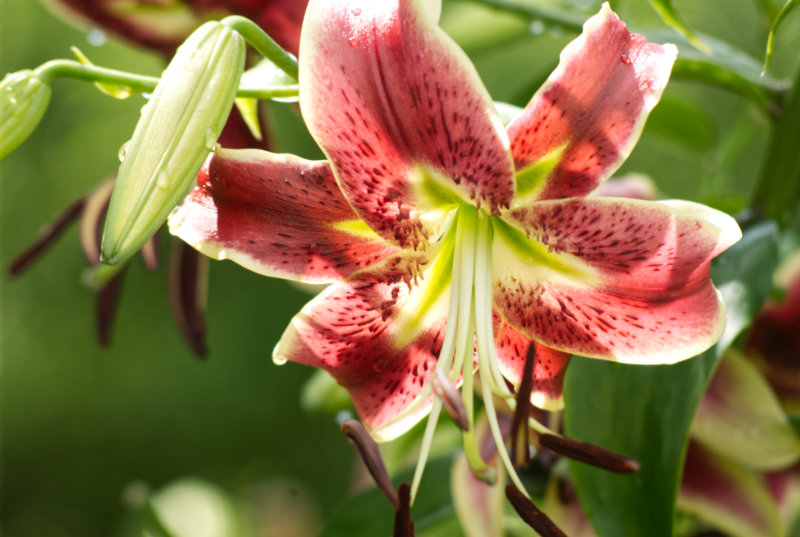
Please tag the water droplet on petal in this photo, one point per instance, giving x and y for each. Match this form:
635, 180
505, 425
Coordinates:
277, 360
222, 255
354, 41
625, 59
356, 11
122, 149
652, 85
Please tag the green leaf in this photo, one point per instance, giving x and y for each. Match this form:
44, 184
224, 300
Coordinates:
726, 67
787, 7
645, 411
776, 192
369, 514
668, 14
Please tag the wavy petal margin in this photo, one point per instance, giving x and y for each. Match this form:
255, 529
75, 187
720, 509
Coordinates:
393, 103
613, 278
379, 335
591, 110
277, 215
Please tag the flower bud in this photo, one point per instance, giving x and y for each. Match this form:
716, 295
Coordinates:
23, 100
178, 127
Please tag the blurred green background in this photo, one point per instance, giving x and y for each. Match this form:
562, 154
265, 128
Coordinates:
85, 429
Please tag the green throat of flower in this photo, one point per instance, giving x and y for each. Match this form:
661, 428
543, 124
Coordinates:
464, 264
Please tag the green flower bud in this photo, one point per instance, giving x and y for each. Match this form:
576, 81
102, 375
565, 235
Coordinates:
23, 101
178, 127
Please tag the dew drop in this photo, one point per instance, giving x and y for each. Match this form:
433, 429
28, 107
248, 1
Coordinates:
122, 149
163, 180
211, 139
222, 255
354, 41
536, 27
96, 38
12, 100
277, 360
625, 59
356, 11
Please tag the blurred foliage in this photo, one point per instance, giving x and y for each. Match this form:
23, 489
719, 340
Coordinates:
96, 440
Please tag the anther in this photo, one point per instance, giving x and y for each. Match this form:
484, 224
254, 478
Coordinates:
451, 399
531, 514
403, 525
589, 453
368, 450
520, 438
53, 231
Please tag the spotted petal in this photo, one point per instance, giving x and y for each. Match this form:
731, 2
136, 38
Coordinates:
589, 113
549, 366
613, 278
277, 215
379, 337
400, 112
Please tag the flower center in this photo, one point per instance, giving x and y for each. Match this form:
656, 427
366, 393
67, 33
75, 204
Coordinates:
470, 321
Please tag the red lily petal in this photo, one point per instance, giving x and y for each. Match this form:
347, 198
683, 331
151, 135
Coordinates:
366, 334
390, 99
277, 215
614, 278
591, 110
549, 366
727, 496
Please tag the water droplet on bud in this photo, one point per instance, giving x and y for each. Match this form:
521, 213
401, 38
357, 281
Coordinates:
536, 27
277, 360
211, 139
122, 149
163, 180
354, 41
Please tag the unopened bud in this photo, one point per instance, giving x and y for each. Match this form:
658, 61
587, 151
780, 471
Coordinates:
178, 128
23, 101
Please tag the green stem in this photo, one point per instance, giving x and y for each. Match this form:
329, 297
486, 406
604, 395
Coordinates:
563, 19
92, 73
139, 83
263, 43
778, 188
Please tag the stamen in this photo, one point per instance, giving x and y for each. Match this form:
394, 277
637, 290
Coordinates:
425, 447
450, 398
497, 435
520, 438
531, 514
50, 234
403, 525
368, 450
107, 300
589, 453
448, 343
188, 284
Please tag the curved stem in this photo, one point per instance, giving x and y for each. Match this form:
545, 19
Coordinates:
53, 69
263, 43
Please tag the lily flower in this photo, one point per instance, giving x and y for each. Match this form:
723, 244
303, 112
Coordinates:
454, 244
